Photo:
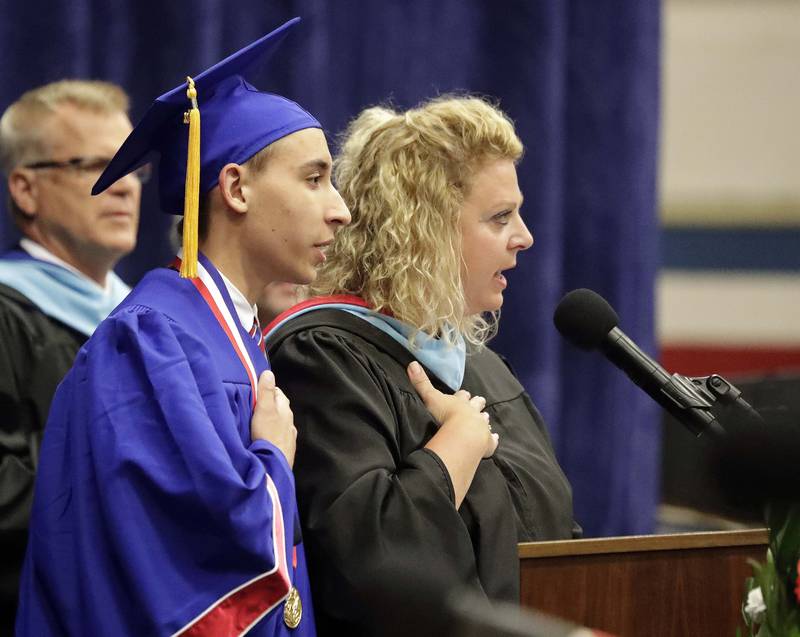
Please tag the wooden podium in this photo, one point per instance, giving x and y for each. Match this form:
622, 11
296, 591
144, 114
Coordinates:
683, 585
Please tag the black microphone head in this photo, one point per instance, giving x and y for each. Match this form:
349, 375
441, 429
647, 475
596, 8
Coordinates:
584, 318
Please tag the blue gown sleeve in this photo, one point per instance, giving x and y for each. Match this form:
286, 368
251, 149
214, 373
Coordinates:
153, 506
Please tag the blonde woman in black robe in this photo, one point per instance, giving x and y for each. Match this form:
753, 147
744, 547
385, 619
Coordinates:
445, 475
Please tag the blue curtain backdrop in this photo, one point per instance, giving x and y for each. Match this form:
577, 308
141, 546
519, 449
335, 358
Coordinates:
580, 78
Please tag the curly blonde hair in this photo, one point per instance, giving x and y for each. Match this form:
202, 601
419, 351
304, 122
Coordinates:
404, 177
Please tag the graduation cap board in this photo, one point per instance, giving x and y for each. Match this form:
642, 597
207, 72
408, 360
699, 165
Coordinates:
237, 122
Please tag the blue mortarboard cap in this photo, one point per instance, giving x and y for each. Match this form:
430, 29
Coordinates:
237, 122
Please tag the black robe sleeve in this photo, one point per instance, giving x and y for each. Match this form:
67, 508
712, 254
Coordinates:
19, 425
538, 487
35, 354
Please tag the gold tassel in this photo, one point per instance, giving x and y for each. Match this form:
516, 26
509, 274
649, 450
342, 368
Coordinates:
191, 198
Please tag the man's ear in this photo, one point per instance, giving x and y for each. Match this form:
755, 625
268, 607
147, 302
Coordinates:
24, 191
231, 187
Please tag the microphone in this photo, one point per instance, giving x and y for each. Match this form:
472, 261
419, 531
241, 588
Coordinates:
587, 320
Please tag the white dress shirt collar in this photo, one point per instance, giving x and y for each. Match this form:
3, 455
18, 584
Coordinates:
247, 313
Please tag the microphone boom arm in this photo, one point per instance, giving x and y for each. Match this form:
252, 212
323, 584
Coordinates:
703, 404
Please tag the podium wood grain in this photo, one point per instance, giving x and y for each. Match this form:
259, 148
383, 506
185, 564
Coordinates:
682, 585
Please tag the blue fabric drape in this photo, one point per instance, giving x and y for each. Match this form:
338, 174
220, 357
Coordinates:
579, 77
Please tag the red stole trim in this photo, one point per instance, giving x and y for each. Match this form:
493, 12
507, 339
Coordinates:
235, 613
350, 299
243, 356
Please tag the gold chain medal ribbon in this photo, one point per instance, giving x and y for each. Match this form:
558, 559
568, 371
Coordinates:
293, 609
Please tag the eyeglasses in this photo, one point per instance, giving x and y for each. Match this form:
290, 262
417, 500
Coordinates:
89, 166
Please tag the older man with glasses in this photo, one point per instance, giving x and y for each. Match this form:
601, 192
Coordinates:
58, 283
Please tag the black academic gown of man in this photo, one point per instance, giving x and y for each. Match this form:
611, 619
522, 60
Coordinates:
36, 351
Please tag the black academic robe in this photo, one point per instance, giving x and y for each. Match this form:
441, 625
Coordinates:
36, 352
373, 500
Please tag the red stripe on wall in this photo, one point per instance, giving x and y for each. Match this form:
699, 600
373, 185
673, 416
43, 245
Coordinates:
698, 360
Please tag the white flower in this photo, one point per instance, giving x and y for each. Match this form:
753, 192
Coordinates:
755, 607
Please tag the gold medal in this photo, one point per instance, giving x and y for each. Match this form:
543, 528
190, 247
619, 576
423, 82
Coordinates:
293, 609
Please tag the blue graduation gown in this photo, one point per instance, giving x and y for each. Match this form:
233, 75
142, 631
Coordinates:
154, 510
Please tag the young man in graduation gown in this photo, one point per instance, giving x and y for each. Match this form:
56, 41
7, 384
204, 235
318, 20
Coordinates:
165, 501
57, 284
